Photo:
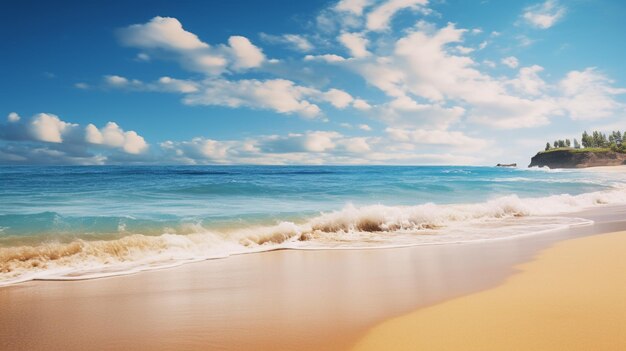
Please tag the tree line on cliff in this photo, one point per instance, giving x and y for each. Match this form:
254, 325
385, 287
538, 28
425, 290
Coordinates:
614, 141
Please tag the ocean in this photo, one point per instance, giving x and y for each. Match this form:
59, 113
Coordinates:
94, 221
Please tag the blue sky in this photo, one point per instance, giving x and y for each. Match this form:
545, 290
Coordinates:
305, 82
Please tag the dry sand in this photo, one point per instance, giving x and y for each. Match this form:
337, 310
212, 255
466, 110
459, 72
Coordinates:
572, 297
607, 169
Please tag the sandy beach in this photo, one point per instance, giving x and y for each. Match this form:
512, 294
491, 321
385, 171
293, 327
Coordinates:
281, 300
570, 298
606, 169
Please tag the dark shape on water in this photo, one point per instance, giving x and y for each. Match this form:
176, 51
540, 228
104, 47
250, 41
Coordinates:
506, 165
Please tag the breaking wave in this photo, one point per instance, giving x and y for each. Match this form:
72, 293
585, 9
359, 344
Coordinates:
351, 227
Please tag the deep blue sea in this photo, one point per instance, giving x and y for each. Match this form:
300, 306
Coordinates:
88, 221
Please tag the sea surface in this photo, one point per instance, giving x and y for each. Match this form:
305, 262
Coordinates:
94, 221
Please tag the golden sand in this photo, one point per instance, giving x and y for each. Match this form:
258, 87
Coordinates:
572, 297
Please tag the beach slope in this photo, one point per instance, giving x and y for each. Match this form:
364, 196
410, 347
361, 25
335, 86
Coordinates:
570, 298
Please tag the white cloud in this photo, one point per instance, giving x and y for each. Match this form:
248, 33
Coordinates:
294, 41
528, 81
280, 95
355, 43
81, 85
161, 33
511, 61
354, 6
511, 112
355, 145
379, 18
405, 112
116, 80
246, 54
361, 104
46, 139
464, 50
112, 135
589, 94
177, 85
163, 84
338, 98
165, 37
49, 128
330, 58
13, 117
544, 15
365, 127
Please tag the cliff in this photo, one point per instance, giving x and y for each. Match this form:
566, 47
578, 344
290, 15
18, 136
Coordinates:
578, 158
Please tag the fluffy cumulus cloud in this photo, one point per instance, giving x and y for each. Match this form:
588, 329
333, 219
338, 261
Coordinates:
164, 33
46, 138
114, 136
246, 54
13, 117
165, 37
49, 128
544, 15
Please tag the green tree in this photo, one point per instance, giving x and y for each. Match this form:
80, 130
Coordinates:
547, 146
576, 144
568, 143
586, 139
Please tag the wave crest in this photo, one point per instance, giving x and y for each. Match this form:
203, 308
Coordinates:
367, 226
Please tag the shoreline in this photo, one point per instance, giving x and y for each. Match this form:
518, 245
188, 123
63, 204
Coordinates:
286, 299
556, 301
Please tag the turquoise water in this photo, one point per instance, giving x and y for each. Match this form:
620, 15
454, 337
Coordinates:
76, 221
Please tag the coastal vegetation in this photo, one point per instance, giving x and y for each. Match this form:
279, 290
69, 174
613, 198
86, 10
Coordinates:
590, 142
594, 149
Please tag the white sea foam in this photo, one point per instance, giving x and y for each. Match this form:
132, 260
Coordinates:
351, 227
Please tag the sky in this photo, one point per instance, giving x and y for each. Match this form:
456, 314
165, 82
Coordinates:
407, 82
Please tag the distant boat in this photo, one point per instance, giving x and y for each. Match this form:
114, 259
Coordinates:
506, 165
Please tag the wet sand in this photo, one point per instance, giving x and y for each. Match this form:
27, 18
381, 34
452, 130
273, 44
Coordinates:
572, 297
282, 300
